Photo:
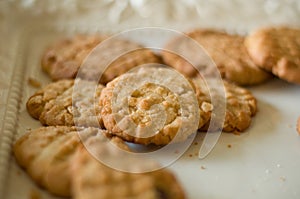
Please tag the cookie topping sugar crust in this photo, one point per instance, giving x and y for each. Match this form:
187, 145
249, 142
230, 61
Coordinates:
150, 105
143, 99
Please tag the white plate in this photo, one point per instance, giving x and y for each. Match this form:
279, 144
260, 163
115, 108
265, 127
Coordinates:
262, 163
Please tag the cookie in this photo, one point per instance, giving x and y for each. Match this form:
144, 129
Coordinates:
62, 103
276, 49
45, 153
56, 159
240, 105
151, 105
93, 180
227, 51
63, 59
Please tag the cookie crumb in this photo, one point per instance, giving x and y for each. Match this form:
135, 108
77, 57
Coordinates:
278, 166
237, 133
35, 194
191, 155
196, 143
34, 83
229, 145
206, 107
196, 154
298, 126
203, 168
283, 179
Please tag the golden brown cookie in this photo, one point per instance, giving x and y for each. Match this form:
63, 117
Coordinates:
276, 49
56, 159
93, 180
150, 105
204, 102
63, 59
45, 154
62, 103
227, 51
240, 105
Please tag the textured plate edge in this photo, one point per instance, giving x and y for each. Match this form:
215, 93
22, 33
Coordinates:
11, 112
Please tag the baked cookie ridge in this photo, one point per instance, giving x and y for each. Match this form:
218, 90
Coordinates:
67, 103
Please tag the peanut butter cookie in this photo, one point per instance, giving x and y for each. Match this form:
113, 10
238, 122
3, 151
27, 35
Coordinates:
93, 180
45, 154
64, 58
240, 105
227, 51
62, 160
276, 49
65, 104
150, 105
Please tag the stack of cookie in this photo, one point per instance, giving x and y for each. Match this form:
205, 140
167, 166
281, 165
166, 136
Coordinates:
109, 99
62, 156
56, 159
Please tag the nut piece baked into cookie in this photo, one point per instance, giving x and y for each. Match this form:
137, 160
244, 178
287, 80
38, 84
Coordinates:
240, 105
65, 104
276, 49
150, 105
227, 51
63, 59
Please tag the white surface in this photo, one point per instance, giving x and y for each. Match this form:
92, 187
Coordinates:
262, 163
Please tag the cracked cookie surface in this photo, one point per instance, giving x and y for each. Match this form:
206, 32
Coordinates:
152, 105
67, 103
62, 160
45, 154
113, 57
240, 105
94, 180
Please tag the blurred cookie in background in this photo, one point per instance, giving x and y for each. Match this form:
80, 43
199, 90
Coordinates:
276, 49
226, 51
